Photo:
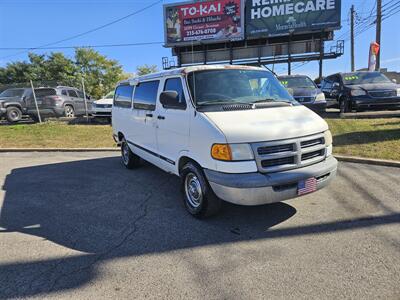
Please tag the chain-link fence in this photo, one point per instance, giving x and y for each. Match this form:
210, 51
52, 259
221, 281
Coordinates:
41, 100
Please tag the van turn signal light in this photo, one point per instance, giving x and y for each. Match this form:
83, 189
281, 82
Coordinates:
221, 152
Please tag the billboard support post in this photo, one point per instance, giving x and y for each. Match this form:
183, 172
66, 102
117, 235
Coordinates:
205, 53
230, 54
321, 55
290, 54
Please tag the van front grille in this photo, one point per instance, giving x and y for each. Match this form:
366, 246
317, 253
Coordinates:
289, 154
275, 149
312, 155
312, 143
267, 163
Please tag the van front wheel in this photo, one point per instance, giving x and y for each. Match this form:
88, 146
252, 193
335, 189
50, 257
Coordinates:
129, 159
199, 199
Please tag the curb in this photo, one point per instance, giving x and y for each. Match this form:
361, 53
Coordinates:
368, 161
351, 159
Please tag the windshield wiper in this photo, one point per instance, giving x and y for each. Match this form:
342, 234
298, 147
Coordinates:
219, 102
268, 100
264, 100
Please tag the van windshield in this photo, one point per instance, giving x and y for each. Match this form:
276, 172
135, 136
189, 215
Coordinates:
233, 86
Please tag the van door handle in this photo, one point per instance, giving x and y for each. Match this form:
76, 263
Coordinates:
149, 115
161, 117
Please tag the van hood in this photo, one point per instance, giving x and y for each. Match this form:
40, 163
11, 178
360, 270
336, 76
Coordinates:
269, 124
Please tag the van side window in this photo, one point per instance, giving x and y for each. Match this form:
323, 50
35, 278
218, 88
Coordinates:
146, 95
64, 93
175, 84
123, 96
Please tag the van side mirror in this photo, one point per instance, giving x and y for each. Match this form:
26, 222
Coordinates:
170, 99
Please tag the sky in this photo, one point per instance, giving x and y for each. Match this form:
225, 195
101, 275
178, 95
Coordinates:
32, 23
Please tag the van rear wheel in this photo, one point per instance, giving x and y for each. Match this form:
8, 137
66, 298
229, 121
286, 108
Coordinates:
199, 199
129, 159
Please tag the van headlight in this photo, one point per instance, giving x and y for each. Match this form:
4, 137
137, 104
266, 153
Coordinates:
320, 97
232, 152
328, 138
328, 142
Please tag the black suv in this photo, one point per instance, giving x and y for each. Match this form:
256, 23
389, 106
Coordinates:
13, 103
361, 90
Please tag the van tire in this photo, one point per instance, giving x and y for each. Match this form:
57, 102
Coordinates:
13, 114
129, 159
198, 197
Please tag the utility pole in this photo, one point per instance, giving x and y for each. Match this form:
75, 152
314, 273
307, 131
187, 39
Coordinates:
352, 16
378, 32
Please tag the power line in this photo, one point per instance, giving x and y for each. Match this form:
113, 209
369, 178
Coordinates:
89, 31
387, 3
84, 46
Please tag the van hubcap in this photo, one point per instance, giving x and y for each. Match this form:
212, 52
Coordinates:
193, 191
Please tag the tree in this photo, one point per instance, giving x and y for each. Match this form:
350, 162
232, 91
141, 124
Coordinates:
14, 73
101, 74
146, 69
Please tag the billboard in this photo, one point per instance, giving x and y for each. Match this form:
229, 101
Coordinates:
217, 21
276, 18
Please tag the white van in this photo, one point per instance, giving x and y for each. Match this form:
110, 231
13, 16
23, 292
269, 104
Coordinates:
230, 132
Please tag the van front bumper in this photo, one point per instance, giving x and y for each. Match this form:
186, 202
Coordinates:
257, 188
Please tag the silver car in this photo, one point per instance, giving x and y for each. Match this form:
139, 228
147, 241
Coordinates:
61, 101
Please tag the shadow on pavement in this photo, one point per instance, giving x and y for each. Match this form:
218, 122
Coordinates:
366, 137
106, 212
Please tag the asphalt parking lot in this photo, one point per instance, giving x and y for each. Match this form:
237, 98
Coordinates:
79, 225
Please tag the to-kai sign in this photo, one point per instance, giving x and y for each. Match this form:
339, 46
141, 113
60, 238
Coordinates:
187, 23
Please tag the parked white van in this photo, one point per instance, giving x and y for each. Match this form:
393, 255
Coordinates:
230, 132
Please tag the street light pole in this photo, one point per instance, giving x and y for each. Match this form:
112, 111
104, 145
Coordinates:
378, 33
352, 15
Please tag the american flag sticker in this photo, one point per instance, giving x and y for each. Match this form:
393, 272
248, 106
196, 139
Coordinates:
307, 186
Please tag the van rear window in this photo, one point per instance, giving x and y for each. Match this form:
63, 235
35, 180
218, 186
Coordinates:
123, 96
146, 95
